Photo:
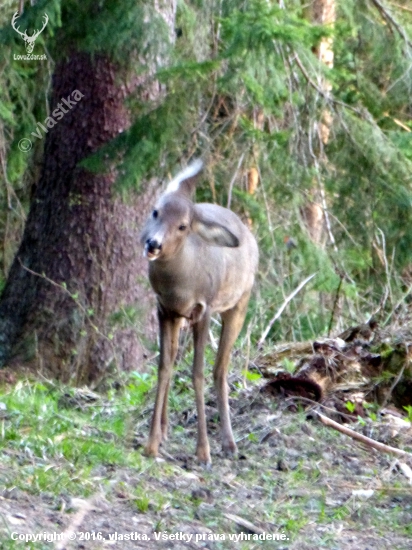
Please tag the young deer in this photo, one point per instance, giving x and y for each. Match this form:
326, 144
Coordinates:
203, 260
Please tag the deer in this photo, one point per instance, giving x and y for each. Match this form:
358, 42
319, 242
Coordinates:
29, 40
202, 261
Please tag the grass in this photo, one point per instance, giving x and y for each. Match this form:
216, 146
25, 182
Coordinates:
60, 445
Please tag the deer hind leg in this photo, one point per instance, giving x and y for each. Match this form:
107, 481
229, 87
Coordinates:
200, 335
169, 340
232, 322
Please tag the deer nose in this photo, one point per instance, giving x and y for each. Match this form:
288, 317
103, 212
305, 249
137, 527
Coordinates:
153, 244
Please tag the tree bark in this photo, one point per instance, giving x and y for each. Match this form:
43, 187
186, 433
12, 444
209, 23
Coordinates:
78, 264
313, 212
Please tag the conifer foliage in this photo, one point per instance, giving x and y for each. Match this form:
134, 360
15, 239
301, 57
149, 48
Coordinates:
241, 84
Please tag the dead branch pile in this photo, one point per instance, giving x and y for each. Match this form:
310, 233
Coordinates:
360, 369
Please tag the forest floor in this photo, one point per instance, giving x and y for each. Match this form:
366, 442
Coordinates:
72, 463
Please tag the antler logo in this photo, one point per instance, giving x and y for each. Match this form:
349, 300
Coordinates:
30, 40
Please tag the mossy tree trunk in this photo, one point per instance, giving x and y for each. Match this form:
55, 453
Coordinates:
79, 261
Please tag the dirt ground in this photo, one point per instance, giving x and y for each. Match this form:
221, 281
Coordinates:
293, 478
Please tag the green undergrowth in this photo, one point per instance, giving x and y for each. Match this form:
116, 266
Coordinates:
292, 476
61, 434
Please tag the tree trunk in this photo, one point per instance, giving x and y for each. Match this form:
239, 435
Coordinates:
314, 211
76, 271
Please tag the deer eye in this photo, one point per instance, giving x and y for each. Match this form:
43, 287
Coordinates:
182, 227
155, 214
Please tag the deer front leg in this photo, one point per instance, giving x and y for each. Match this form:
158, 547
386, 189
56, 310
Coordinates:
200, 334
169, 340
232, 322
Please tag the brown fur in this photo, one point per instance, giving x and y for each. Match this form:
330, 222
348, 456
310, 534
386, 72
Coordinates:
202, 261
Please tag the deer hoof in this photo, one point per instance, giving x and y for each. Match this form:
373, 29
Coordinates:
206, 464
229, 450
150, 451
203, 457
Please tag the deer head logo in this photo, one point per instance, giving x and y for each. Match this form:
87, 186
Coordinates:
29, 40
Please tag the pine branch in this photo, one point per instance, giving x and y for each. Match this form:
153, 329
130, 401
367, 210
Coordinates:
392, 21
319, 90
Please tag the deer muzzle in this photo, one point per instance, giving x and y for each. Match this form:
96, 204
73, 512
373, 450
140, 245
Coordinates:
152, 249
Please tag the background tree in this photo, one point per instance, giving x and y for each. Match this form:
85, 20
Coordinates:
74, 275
243, 86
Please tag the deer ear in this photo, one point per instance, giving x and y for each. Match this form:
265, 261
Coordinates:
185, 181
214, 233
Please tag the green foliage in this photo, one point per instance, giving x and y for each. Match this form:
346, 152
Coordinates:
252, 376
61, 425
115, 29
258, 25
408, 409
242, 86
288, 365
141, 146
350, 406
138, 387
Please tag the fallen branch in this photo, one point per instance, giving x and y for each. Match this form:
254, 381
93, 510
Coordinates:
363, 438
245, 523
316, 404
